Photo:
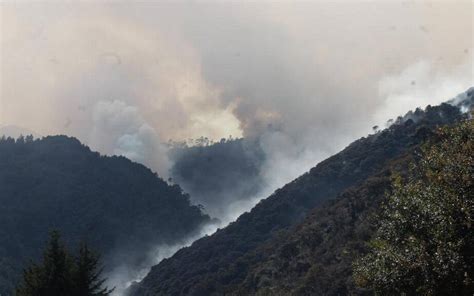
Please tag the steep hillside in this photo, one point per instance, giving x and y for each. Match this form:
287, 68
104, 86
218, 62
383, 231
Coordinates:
121, 208
218, 264
316, 256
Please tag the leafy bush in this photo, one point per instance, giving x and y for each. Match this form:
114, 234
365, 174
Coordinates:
425, 243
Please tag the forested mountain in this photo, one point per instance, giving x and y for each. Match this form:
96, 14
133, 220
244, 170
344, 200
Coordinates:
219, 173
235, 259
316, 256
119, 207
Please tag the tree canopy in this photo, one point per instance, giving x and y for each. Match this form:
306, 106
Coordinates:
425, 242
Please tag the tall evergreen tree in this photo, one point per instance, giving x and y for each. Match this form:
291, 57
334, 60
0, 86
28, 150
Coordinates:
52, 277
87, 274
60, 274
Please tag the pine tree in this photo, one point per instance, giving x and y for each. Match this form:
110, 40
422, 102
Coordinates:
60, 274
52, 276
87, 274
32, 283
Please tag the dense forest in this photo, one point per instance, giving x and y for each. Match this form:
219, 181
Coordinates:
236, 259
120, 208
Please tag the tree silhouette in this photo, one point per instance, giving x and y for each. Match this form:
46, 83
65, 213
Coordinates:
60, 274
52, 276
87, 274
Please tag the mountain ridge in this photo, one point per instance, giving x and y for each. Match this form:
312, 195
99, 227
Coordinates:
121, 208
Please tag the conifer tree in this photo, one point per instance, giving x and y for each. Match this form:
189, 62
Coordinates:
60, 274
52, 276
87, 274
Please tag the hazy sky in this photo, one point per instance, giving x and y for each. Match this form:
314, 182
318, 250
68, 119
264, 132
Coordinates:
308, 78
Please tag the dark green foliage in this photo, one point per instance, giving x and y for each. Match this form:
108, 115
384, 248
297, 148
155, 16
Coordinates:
120, 208
425, 243
87, 274
60, 274
219, 264
315, 256
53, 276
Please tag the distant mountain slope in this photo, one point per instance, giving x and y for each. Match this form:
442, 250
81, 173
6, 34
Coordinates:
121, 208
220, 173
218, 264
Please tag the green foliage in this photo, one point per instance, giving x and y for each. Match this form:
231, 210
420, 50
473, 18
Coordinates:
425, 242
60, 274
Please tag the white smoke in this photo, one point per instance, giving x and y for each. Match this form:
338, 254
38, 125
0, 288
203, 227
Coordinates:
120, 129
419, 85
288, 156
123, 276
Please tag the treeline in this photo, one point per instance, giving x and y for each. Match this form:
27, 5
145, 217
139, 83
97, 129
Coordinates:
198, 142
20, 140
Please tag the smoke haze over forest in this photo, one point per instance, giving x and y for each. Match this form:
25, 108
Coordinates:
301, 80
304, 78
126, 77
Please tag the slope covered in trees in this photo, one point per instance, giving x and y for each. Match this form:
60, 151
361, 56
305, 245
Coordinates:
120, 208
220, 264
423, 246
314, 257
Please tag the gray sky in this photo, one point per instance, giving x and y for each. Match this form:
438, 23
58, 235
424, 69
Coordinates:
307, 77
